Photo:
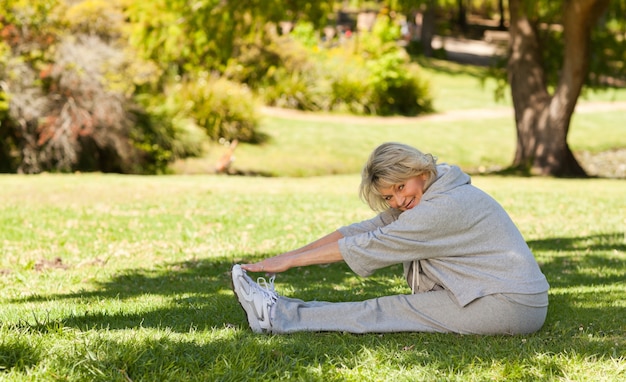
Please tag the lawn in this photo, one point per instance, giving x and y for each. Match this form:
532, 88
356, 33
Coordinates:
118, 278
313, 145
126, 278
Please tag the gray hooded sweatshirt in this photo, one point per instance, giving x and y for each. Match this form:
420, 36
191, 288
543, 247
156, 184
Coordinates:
458, 237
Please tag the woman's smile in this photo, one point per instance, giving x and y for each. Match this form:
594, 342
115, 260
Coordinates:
407, 195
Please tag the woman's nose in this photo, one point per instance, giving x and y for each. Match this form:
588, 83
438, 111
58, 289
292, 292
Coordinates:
396, 200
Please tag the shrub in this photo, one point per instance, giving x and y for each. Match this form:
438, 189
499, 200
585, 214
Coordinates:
96, 17
72, 93
224, 109
79, 114
397, 87
369, 74
73, 108
163, 134
278, 69
7, 162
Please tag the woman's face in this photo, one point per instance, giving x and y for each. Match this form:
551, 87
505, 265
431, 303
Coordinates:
406, 195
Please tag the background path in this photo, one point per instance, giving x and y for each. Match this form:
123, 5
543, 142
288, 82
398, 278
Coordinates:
453, 115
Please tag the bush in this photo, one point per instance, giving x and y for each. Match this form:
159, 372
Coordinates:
278, 69
72, 96
224, 109
68, 107
163, 134
349, 90
97, 17
368, 74
397, 87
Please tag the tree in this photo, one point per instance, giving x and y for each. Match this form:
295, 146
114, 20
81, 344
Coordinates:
501, 25
542, 117
205, 35
553, 46
203, 49
69, 89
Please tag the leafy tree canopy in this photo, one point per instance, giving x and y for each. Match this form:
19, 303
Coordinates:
184, 36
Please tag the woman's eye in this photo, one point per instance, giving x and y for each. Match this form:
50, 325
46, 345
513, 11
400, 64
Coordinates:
401, 187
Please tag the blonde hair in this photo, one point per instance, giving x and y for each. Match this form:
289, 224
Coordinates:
390, 164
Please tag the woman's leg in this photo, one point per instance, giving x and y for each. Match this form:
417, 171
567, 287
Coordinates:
434, 311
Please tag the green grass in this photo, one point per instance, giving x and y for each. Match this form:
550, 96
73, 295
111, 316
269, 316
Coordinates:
301, 147
340, 145
459, 87
126, 278
142, 292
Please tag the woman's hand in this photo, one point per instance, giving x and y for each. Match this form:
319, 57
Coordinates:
271, 265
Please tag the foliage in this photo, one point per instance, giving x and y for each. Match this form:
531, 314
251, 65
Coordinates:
208, 33
367, 74
284, 73
28, 30
5, 142
162, 135
258, 58
397, 88
89, 111
608, 59
297, 80
97, 17
72, 86
188, 43
608, 46
72, 112
154, 100
224, 109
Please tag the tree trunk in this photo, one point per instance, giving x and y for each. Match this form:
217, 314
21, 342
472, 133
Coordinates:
542, 119
428, 28
501, 25
462, 17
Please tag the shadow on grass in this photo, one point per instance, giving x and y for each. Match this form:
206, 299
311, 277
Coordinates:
18, 354
583, 321
190, 295
586, 260
587, 276
600, 242
196, 295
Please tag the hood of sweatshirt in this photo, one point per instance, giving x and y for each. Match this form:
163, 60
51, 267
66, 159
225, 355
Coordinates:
448, 178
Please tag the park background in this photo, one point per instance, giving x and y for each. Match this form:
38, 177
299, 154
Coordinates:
112, 272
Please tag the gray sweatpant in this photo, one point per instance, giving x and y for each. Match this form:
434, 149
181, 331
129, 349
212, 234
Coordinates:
434, 311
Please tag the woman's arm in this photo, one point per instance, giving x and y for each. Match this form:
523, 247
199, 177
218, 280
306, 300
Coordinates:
322, 251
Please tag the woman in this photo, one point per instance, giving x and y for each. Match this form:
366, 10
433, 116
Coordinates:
467, 264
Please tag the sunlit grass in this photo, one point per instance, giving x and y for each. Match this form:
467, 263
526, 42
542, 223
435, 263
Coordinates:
125, 278
482, 142
141, 290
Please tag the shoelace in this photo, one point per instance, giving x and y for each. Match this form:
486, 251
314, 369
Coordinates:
267, 288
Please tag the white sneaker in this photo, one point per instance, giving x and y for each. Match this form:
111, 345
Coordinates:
255, 300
